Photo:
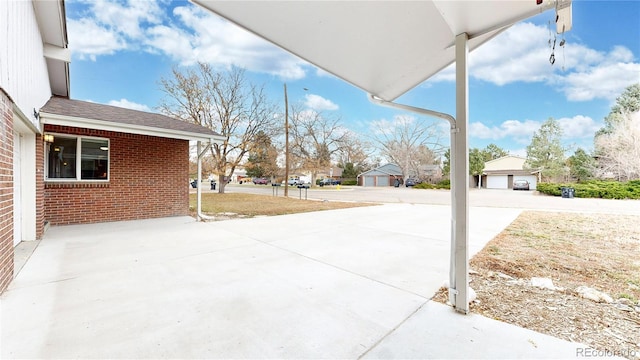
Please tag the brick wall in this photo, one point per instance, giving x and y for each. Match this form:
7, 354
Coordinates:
148, 179
6, 191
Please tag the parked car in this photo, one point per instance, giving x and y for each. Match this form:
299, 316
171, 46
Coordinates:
261, 181
521, 185
411, 182
293, 182
324, 182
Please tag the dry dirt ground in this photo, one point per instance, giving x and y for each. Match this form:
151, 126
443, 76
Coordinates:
573, 250
237, 205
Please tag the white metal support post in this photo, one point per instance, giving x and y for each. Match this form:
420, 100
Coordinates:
459, 263
198, 182
200, 215
459, 274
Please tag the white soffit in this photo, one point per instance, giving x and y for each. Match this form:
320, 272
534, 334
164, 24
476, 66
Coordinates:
385, 48
53, 29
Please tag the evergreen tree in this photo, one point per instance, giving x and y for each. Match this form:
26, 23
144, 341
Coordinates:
493, 151
446, 163
581, 165
628, 102
476, 161
545, 153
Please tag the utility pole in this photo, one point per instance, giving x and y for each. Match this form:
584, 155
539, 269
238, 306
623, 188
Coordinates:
286, 143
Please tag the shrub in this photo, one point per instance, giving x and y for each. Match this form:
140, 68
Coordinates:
424, 186
350, 182
595, 189
444, 184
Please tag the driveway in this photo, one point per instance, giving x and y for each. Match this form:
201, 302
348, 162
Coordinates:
334, 284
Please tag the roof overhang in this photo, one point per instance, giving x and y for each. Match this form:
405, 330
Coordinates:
62, 120
386, 48
53, 30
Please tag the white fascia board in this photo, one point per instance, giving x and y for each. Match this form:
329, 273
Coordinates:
62, 120
23, 124
57, 53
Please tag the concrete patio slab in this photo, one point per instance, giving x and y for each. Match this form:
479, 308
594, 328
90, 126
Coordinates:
431, 334
331, 284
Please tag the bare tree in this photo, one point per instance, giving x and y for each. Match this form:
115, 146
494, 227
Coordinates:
619, 150
225, 103
315, 138
354, 150
409, 142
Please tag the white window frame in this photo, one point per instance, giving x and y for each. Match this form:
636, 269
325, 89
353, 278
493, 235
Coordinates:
78, 178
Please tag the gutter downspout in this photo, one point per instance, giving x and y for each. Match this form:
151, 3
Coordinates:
199, 214
454, 130
459, 256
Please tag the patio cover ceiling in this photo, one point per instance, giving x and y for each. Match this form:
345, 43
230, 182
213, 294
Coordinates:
385, 48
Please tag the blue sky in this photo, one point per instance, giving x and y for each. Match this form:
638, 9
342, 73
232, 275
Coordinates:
121, 49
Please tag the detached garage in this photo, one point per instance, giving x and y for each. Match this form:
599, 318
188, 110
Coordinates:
501, 173
380, 176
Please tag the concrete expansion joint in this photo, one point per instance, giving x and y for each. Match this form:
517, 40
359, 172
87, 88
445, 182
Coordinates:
393, 329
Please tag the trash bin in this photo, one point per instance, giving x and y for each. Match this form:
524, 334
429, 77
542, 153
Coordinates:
567, 192
194, 184
396, 183
213, 185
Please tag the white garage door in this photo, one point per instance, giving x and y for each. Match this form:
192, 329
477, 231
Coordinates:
369, 181
383, 180
497, 182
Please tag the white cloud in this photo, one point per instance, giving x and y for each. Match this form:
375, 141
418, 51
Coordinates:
318, 103
518, 54
111, 26
128, 17
606, 81
189, 36
579, 126
521, 132
88, 40
220, 43
124, 103
522, 54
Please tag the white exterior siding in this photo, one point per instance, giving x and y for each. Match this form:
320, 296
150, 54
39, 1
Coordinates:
504, 163
23, 68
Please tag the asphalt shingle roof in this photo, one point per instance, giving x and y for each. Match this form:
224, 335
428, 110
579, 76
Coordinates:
88, 110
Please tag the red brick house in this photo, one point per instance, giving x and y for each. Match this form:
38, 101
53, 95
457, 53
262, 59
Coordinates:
105, 163
66, 161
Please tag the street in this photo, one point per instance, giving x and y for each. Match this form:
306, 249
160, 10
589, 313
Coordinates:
527, 200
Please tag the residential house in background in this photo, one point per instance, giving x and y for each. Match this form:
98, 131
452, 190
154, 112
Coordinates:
332, 172
384, 175
502, 172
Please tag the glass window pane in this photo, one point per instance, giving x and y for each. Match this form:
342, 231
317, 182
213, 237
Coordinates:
62, 158
95, 159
